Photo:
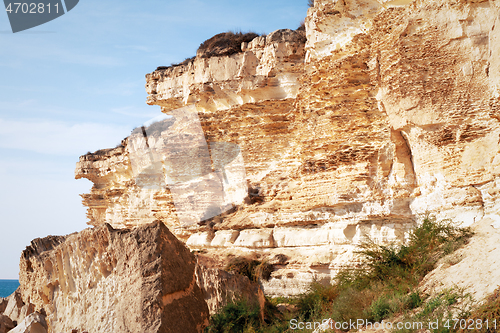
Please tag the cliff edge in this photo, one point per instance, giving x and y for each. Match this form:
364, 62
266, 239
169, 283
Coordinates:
385, 112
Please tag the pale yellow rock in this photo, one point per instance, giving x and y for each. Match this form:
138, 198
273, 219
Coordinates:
269, 68
200, 239
294, 236
475, 267
33, 323
15, 305
393, 114
255, 238
105, 280
224, 238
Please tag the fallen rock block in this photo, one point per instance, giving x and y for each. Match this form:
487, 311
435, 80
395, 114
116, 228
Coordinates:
34, 323
14, 306
6, 324
104, 280
3, 304
220, 287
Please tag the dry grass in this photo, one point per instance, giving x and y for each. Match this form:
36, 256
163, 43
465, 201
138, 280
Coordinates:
224, 44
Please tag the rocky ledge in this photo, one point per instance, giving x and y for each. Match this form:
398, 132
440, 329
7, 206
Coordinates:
389, 111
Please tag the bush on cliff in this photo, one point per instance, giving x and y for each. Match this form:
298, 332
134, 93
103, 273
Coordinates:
225, 43
486, 318
383, 285
235, 317
251, 268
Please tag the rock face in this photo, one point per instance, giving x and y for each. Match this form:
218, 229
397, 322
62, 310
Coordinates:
34, 323
14, 307
267, 69
106, 280
6, 324
460, 268
220, 287
390, 110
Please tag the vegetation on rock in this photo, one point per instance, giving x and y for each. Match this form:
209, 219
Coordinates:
251, 268
383, 286
225, 43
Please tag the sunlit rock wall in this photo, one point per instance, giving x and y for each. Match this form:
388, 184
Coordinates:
388, 112
106, 280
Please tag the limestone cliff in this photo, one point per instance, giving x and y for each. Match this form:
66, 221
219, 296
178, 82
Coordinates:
388, 111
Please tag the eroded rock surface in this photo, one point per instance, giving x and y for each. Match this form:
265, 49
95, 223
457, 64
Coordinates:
389, 111
15, 308
474, 267
6, 324
107, 280
268, 68
221, 287
34, 323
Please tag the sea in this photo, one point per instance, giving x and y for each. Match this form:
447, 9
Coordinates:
7, 287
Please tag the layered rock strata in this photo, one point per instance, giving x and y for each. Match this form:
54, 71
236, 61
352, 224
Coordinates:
388, 112
107, 280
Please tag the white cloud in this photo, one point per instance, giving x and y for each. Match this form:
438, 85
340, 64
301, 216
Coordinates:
59, 138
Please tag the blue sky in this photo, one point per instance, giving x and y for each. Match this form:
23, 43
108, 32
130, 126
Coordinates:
76, 84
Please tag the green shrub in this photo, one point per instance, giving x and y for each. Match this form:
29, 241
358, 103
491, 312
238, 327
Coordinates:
380, 309
235, 317
382, 286
450, 304
426, 245
315, 300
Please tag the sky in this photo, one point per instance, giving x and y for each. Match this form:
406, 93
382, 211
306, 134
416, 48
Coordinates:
76, 84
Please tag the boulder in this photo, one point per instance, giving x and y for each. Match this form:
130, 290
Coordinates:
107, 280
220, 287
34, 323
6, 324
3, 304
14, 306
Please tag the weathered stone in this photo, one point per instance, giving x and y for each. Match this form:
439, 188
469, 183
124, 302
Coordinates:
26, 310
460, 269
224, 238
268, 68
33, 323
14, 306
200, 239
393, 113
6, 324
106, 280
220, 287
255, 238
3, 304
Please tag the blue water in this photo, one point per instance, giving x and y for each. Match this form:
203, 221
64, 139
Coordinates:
7, 287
